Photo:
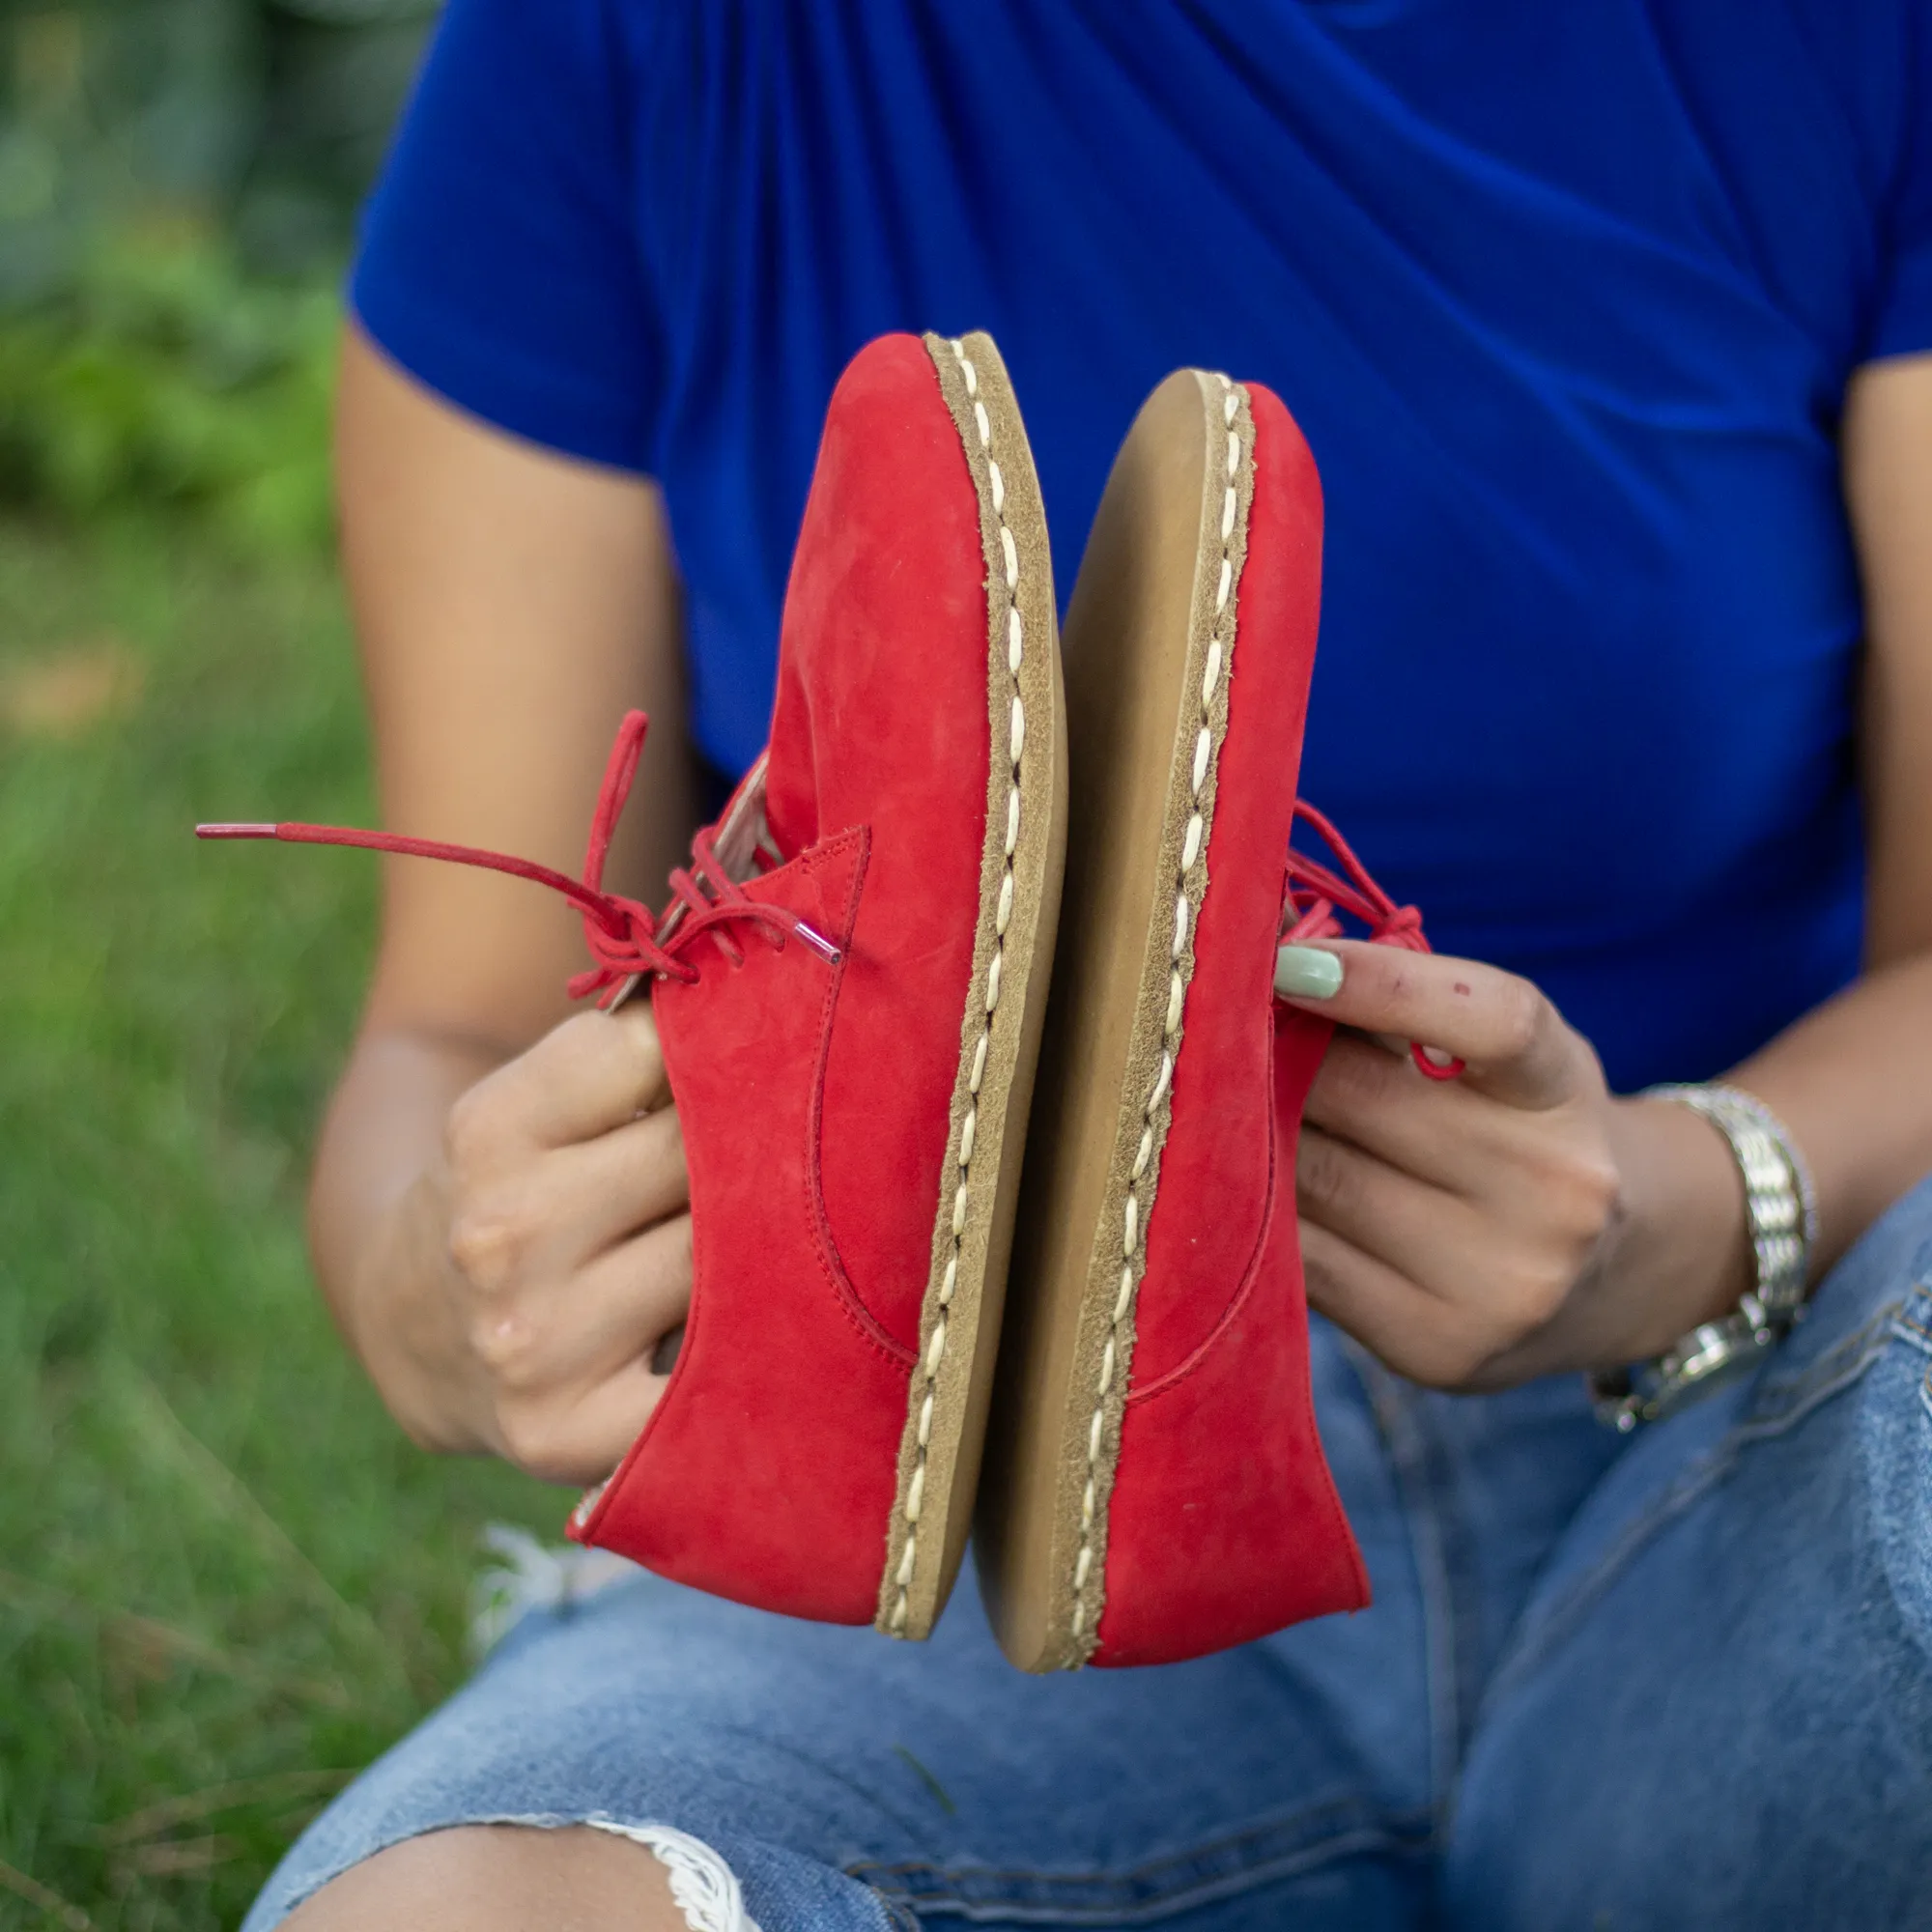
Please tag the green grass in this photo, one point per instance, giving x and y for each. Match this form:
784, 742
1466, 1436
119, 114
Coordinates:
226, 1581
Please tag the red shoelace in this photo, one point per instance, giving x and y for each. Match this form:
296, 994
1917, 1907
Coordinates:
625, 938
1315, 895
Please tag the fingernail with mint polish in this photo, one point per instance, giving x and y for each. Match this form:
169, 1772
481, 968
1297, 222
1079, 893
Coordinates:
1307, 973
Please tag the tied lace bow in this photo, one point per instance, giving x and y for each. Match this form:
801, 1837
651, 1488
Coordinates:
625, 938
1315, 893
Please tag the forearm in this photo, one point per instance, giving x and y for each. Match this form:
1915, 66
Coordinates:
1853, 1081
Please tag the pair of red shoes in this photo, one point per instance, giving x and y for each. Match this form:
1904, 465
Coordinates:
852, 987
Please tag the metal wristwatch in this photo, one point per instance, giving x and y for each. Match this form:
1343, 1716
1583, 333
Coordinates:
1783, 1219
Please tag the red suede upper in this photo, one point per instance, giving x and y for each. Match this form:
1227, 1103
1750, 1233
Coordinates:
1224, 1522
881, 719
815, 1101
767, 1471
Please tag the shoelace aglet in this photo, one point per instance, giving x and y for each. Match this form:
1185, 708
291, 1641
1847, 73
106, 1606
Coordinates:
236, 831
818, 943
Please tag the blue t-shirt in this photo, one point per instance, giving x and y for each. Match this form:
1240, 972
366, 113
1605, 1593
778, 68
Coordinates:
1565, 298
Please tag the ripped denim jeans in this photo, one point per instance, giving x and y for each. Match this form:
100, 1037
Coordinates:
1679, 1681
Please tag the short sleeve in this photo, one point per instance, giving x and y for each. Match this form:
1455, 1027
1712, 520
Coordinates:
1903, 318
499, 262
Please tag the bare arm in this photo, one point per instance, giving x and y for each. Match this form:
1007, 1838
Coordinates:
1522, 1220
510, 604
1855, 1079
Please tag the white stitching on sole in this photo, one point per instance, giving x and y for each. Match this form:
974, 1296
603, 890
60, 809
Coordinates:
1133, 1229
702, 1886
914, 1499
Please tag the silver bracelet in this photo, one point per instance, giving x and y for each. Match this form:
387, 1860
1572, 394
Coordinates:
1781, 1210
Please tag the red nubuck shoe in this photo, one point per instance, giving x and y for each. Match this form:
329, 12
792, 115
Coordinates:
853, 1106
1155, 1488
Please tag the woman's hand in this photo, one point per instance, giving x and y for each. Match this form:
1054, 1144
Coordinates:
498, 1233
544, 1261
1478, 1232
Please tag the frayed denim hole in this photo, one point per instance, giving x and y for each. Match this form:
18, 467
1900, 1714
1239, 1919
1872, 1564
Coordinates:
703, 1886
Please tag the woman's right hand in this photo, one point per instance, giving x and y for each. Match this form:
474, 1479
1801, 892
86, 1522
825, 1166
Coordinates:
543, 1261
497, 1213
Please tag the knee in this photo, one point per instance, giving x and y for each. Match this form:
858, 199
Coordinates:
497, 1878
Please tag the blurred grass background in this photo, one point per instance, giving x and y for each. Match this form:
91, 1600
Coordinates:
225, 1579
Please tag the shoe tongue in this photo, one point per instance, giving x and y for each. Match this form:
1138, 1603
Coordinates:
742, 839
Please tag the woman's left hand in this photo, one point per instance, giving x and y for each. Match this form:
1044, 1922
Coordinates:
1518, 1220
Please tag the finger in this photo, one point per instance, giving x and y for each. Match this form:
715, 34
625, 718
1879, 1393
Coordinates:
600, 1191
582, 1441
1515, 1041
1549, 1175
1398, 1325
649, 1297
576, 1422
1443, 1132
542, 1345
1503, 1288
1432, 1130
1408, 1225
592, 1073
548, 1215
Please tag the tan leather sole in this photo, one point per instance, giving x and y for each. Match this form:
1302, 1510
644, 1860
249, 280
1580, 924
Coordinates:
952, 1384
1145, 704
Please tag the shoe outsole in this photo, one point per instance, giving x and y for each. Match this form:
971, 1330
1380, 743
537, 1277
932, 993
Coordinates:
952, 1384
1147, 648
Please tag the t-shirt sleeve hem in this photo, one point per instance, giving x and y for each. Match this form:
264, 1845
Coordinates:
518, 395
1905, 323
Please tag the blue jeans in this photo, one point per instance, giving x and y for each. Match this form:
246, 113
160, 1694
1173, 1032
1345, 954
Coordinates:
1676, 1681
